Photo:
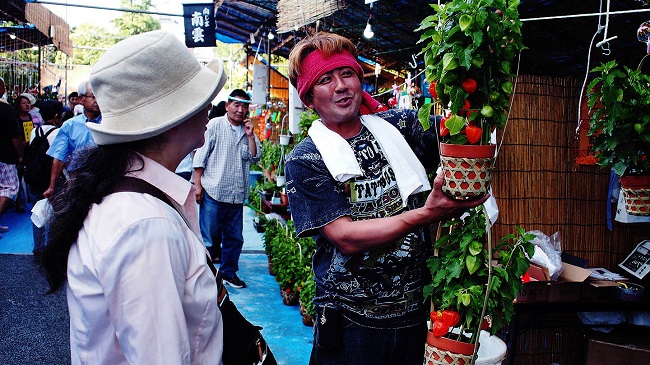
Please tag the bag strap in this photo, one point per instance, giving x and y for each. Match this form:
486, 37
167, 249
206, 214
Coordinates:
133, 184
48, 132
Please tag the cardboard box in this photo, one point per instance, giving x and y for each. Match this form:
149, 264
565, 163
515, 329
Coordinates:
616, 352
541, 288
598, 290
569, 284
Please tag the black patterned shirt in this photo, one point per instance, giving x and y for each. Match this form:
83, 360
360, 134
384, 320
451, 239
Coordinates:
378, 288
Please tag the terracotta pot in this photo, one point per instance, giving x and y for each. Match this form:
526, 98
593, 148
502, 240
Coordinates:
467, 169
444, 351
636, 191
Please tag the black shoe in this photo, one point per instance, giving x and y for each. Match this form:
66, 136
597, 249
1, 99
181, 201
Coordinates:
235, 282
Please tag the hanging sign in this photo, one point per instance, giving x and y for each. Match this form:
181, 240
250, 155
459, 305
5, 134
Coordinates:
199, 25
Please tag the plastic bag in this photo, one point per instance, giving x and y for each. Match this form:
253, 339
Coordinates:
548, 252
41, 212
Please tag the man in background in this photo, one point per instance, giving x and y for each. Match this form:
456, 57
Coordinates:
73, 136
73, 100
10, 155
221, 168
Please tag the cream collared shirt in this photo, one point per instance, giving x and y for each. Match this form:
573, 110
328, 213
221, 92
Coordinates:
139, 289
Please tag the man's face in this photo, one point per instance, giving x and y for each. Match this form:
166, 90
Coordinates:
337, 95
237, 111
89, 102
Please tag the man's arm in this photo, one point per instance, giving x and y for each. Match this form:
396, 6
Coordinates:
252, 144
17, 142
353, 237
57, 169
198, 188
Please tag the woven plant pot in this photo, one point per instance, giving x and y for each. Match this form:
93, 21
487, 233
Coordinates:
467, 169
636, 191
290, 298
308, 320
445, 351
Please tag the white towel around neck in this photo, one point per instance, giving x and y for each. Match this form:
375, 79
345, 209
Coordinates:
343, 165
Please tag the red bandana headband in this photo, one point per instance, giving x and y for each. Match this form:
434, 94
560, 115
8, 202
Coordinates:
315, 65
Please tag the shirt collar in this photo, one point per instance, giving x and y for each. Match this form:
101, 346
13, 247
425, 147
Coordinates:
97, 120
171, 184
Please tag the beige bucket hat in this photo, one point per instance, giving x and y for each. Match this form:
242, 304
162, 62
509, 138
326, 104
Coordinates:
148, 84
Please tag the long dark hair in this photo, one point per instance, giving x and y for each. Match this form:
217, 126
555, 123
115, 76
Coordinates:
98, 169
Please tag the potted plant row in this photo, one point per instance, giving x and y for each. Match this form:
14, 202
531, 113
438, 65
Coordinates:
469, 55
619, 103
473, 285
290, 258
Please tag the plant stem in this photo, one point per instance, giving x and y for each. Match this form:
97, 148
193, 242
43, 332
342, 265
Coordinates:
487, 290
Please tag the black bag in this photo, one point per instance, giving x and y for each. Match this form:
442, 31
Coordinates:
243, 343
36, 162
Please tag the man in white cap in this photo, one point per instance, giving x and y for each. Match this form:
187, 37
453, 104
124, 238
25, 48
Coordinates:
139, 288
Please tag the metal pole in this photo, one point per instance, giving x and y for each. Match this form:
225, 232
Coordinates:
268, 69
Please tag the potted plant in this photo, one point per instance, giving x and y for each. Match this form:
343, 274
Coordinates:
619, 103
306, 295
473, 286
469, 57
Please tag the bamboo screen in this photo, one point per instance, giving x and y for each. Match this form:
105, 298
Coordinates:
539, 187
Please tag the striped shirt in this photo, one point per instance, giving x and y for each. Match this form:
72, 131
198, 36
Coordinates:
226, 161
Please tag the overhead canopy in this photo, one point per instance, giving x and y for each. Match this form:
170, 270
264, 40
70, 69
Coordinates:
35, 25
556, 47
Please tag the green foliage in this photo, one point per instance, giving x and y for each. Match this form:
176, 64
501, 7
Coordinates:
306, 119
271, 153
135, 23
307, 293
254, 198
92, 40
477, 39
290, 255
622, 125
460, 272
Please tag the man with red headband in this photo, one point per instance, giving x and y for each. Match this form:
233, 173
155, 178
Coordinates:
358, 184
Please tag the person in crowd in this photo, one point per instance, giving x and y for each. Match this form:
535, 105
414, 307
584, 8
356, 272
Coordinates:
221, 169
34, 110
11, 152
73, 100
358, 184
184, 169
51, 111
218, 110
73, 136
139, 288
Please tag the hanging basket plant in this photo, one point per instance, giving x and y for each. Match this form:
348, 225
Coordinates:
469, 54
621, 128
474, 284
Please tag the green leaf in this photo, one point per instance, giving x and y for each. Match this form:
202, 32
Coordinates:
465, 299
455, 123
475, 248
449, 62
424, 115
472, 263
465, 21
